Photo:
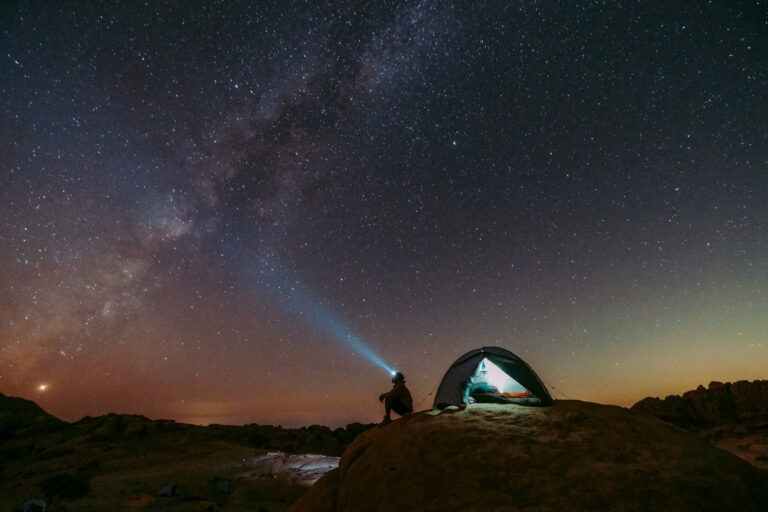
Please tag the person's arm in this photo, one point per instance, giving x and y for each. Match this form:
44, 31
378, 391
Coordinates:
392, 393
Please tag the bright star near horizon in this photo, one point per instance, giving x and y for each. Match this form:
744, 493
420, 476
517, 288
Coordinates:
42, 387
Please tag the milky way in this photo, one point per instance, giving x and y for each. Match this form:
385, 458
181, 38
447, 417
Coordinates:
584, 184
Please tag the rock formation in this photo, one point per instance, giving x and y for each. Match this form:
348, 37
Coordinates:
573, 456
744, 403
733, 417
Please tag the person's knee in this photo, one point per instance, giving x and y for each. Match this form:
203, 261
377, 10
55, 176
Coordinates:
400, 408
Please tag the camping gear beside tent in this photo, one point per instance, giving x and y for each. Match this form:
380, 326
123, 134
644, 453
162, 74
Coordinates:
491, 375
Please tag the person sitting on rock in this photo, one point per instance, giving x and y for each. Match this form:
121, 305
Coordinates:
397, 399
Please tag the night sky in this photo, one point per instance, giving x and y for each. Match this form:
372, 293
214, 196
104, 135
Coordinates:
210, 209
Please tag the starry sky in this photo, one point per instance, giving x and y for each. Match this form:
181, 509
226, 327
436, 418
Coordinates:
223, 212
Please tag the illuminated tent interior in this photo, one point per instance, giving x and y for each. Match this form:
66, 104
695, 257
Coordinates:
491, 375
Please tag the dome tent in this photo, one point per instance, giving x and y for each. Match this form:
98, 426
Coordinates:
491, 375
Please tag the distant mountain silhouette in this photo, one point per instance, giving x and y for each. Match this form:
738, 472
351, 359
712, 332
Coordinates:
20, 417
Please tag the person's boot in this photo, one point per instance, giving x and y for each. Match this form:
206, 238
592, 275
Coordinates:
386, 420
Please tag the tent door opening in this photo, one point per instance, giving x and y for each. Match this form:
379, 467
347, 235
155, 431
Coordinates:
490, 384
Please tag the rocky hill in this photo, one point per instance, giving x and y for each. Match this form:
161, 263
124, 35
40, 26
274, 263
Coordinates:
24, 417
574, 456
127, 462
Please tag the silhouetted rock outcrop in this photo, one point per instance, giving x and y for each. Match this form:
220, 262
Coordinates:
23, 417
740, 403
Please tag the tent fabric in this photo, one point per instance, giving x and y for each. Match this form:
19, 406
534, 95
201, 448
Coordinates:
453, 389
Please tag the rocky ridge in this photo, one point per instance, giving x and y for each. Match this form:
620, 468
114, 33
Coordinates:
732, 416
744, 403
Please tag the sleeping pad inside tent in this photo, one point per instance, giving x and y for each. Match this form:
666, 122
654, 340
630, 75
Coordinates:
491, 375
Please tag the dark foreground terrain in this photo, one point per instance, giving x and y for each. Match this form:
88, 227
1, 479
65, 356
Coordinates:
124, 462
575, 456
669, 454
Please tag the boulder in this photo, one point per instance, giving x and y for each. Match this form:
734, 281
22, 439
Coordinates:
572, 456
